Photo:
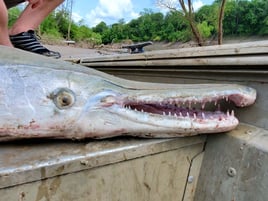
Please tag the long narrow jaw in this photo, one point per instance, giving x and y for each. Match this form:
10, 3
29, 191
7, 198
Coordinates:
182, 115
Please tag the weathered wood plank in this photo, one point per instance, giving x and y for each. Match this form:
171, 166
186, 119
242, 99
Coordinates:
205, 61
231, 54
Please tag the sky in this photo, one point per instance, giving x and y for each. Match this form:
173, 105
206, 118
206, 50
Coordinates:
92, 12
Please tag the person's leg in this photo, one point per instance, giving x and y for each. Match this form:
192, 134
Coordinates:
22, 33
31, 18
4, 38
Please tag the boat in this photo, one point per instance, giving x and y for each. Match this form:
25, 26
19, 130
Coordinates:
225, 166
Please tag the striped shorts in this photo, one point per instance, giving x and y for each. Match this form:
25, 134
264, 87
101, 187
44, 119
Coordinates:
12, 3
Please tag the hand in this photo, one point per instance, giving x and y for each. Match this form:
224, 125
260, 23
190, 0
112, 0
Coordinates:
35, 3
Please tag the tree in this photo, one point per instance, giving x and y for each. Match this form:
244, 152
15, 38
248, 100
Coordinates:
188, 11
241, 17
244, 18
205, 29
100, 28
133, 27
207, 19
63, 23
175, 27
221, 14
50, 26
67, 7
262, 10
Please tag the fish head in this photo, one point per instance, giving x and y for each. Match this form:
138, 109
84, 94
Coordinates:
181, 110
98, 107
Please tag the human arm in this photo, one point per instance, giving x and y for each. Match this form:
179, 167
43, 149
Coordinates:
35, 3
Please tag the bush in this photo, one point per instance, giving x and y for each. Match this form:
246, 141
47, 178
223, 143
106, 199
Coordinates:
205, 29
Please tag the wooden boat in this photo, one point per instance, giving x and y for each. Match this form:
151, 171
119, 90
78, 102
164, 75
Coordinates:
229, 166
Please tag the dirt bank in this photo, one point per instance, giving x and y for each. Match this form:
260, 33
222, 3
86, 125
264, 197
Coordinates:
73, 52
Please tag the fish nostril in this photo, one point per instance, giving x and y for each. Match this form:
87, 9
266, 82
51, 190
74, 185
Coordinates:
108, 100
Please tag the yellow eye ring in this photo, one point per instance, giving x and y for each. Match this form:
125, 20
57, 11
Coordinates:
63, 98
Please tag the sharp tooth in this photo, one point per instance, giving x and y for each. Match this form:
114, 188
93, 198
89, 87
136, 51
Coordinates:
142, 110
203, 105
135, 110
232, 113
180, 114
228, 113
189, 104
164, 113
188, 114
175, 115
226, 98
215, 102
194, 116
203, 115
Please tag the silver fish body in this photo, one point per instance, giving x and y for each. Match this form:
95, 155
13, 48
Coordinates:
47, 98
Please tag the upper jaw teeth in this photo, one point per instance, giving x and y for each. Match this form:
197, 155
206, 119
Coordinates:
181, 107
185, 102
186, 114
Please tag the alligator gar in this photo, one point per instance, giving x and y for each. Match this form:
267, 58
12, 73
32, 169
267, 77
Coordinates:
46, 98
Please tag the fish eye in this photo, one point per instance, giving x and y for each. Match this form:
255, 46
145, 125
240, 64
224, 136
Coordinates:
63, 98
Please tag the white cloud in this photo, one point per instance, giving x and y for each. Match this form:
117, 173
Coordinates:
76, 17
111, 11
197, 4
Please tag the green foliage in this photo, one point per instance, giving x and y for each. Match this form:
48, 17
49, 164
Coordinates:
264, 28
208, 14
100, 28
241, 17
62, 21
176, 28
245, 17
13, 14
50, 27
205, 29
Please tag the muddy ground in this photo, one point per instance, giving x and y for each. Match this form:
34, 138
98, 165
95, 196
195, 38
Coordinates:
75, 52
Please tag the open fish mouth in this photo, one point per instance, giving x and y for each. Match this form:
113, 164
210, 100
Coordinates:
179, 108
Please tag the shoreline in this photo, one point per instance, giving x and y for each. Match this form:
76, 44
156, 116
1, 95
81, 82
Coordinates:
72, 52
